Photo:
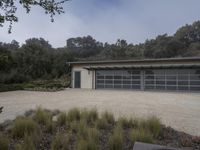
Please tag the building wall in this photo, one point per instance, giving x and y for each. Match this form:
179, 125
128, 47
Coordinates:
87, 77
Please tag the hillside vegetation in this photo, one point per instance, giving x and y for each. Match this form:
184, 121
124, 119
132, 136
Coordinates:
37, 59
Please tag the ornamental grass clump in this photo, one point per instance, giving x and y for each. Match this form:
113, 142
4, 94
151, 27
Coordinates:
24, 126
73, 115
152, 124
125, 123
89, 116
108, 117
141, 135
42, 116
82, 129
102, 123
4, 143
28, 144
61, 141
115, 141
62, 119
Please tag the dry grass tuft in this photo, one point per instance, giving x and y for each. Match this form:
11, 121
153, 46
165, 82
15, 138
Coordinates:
24, 126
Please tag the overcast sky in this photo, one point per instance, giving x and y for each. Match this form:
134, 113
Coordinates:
105, 20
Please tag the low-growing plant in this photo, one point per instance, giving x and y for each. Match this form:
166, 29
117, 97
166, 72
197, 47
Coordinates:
108, 117
50, 127
89, 116
125, 123
73, 115
62, 119
61, 141
82, 129
27, 145
115, 141
82, 144
102, 123
141, 135
42, 117
74, 126
86, 145
93, 134
4, 143
24, 126
154, 125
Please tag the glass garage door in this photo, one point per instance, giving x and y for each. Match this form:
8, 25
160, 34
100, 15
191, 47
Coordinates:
172, 79
118, 79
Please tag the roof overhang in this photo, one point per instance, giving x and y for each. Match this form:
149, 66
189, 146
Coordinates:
141, 67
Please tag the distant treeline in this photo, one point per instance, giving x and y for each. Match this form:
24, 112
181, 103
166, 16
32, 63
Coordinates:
37, 59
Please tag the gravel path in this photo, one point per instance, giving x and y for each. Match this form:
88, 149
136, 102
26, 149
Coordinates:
178, 110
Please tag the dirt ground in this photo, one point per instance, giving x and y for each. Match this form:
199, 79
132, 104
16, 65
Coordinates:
178, 110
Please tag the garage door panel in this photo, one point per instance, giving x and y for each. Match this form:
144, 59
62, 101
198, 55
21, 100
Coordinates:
155, 79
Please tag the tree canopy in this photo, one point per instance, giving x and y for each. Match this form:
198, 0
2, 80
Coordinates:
37, 59
8, 9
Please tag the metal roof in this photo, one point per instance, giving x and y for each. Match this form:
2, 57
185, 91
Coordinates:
137, 60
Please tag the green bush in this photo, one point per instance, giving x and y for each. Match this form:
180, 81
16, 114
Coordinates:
24, 126
115, 141
141, 135
62, 119
4, 143
61, 141
42, 117
73, 115
10, 87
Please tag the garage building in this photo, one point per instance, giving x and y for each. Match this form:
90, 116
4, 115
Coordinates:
172, 74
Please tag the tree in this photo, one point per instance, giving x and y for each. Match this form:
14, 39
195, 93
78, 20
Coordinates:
8, 9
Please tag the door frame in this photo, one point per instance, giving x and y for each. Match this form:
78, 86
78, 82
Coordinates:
75, 79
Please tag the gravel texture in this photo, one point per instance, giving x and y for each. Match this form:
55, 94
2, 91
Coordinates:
178, 110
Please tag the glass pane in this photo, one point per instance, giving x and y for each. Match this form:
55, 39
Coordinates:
109, 81
126, 86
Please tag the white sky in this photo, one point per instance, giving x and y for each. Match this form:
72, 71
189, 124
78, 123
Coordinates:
105, 20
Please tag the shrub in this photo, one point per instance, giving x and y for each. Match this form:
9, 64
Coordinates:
62, 118
141, 135
24, 126
115, 141
4, 143
10, 87
73, 115
42, 117
108, 117
61, 141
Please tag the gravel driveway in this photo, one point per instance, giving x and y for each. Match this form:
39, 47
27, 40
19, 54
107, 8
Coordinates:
178, 110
